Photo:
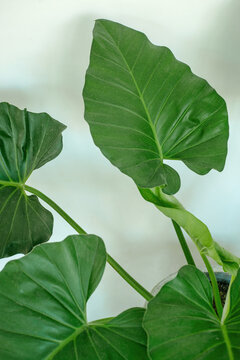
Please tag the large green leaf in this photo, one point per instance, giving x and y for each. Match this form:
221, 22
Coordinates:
43, 300
27, 141
194, 227
182, 325
144, 106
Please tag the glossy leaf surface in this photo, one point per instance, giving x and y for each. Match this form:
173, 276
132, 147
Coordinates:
194, 227
43, 299
27, 141
182, 325
144, 106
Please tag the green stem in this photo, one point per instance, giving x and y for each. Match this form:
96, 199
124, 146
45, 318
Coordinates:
183, 244
215, 288
128, 278
57, 208
165, 199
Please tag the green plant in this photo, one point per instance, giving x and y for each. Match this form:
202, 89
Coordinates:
143, 107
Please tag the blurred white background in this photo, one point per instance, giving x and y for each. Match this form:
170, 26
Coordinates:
45, 48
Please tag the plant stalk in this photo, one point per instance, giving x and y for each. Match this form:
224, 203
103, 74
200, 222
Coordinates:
183, 244
187, 253
57, 208
141, 290
128, 278
215, 288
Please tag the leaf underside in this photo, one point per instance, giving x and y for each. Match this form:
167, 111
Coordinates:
181, 323
24, 222
43, 300
27, 141
144, 106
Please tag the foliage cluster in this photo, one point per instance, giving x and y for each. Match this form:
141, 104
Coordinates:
143, 107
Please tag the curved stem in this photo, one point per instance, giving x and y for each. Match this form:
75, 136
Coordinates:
215, 288
183, 244
128, 278
165, 198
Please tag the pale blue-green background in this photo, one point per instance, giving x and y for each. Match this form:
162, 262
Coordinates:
44, 54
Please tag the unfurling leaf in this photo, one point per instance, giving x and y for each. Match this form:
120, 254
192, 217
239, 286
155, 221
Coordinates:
194, 227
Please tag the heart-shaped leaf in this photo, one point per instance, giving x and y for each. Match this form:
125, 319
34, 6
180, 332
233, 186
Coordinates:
27, 141
43, 300
181, 322
144, 106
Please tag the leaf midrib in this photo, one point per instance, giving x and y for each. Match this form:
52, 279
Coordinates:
222, 328
150, 121
227, 341
86, 327
63, 343
225, 338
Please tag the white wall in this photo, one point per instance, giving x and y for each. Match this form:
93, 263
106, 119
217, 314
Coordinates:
44, 51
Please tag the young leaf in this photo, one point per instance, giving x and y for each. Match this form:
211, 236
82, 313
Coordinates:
194, 227
182, 325
27, 141
43, 299
144, 106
